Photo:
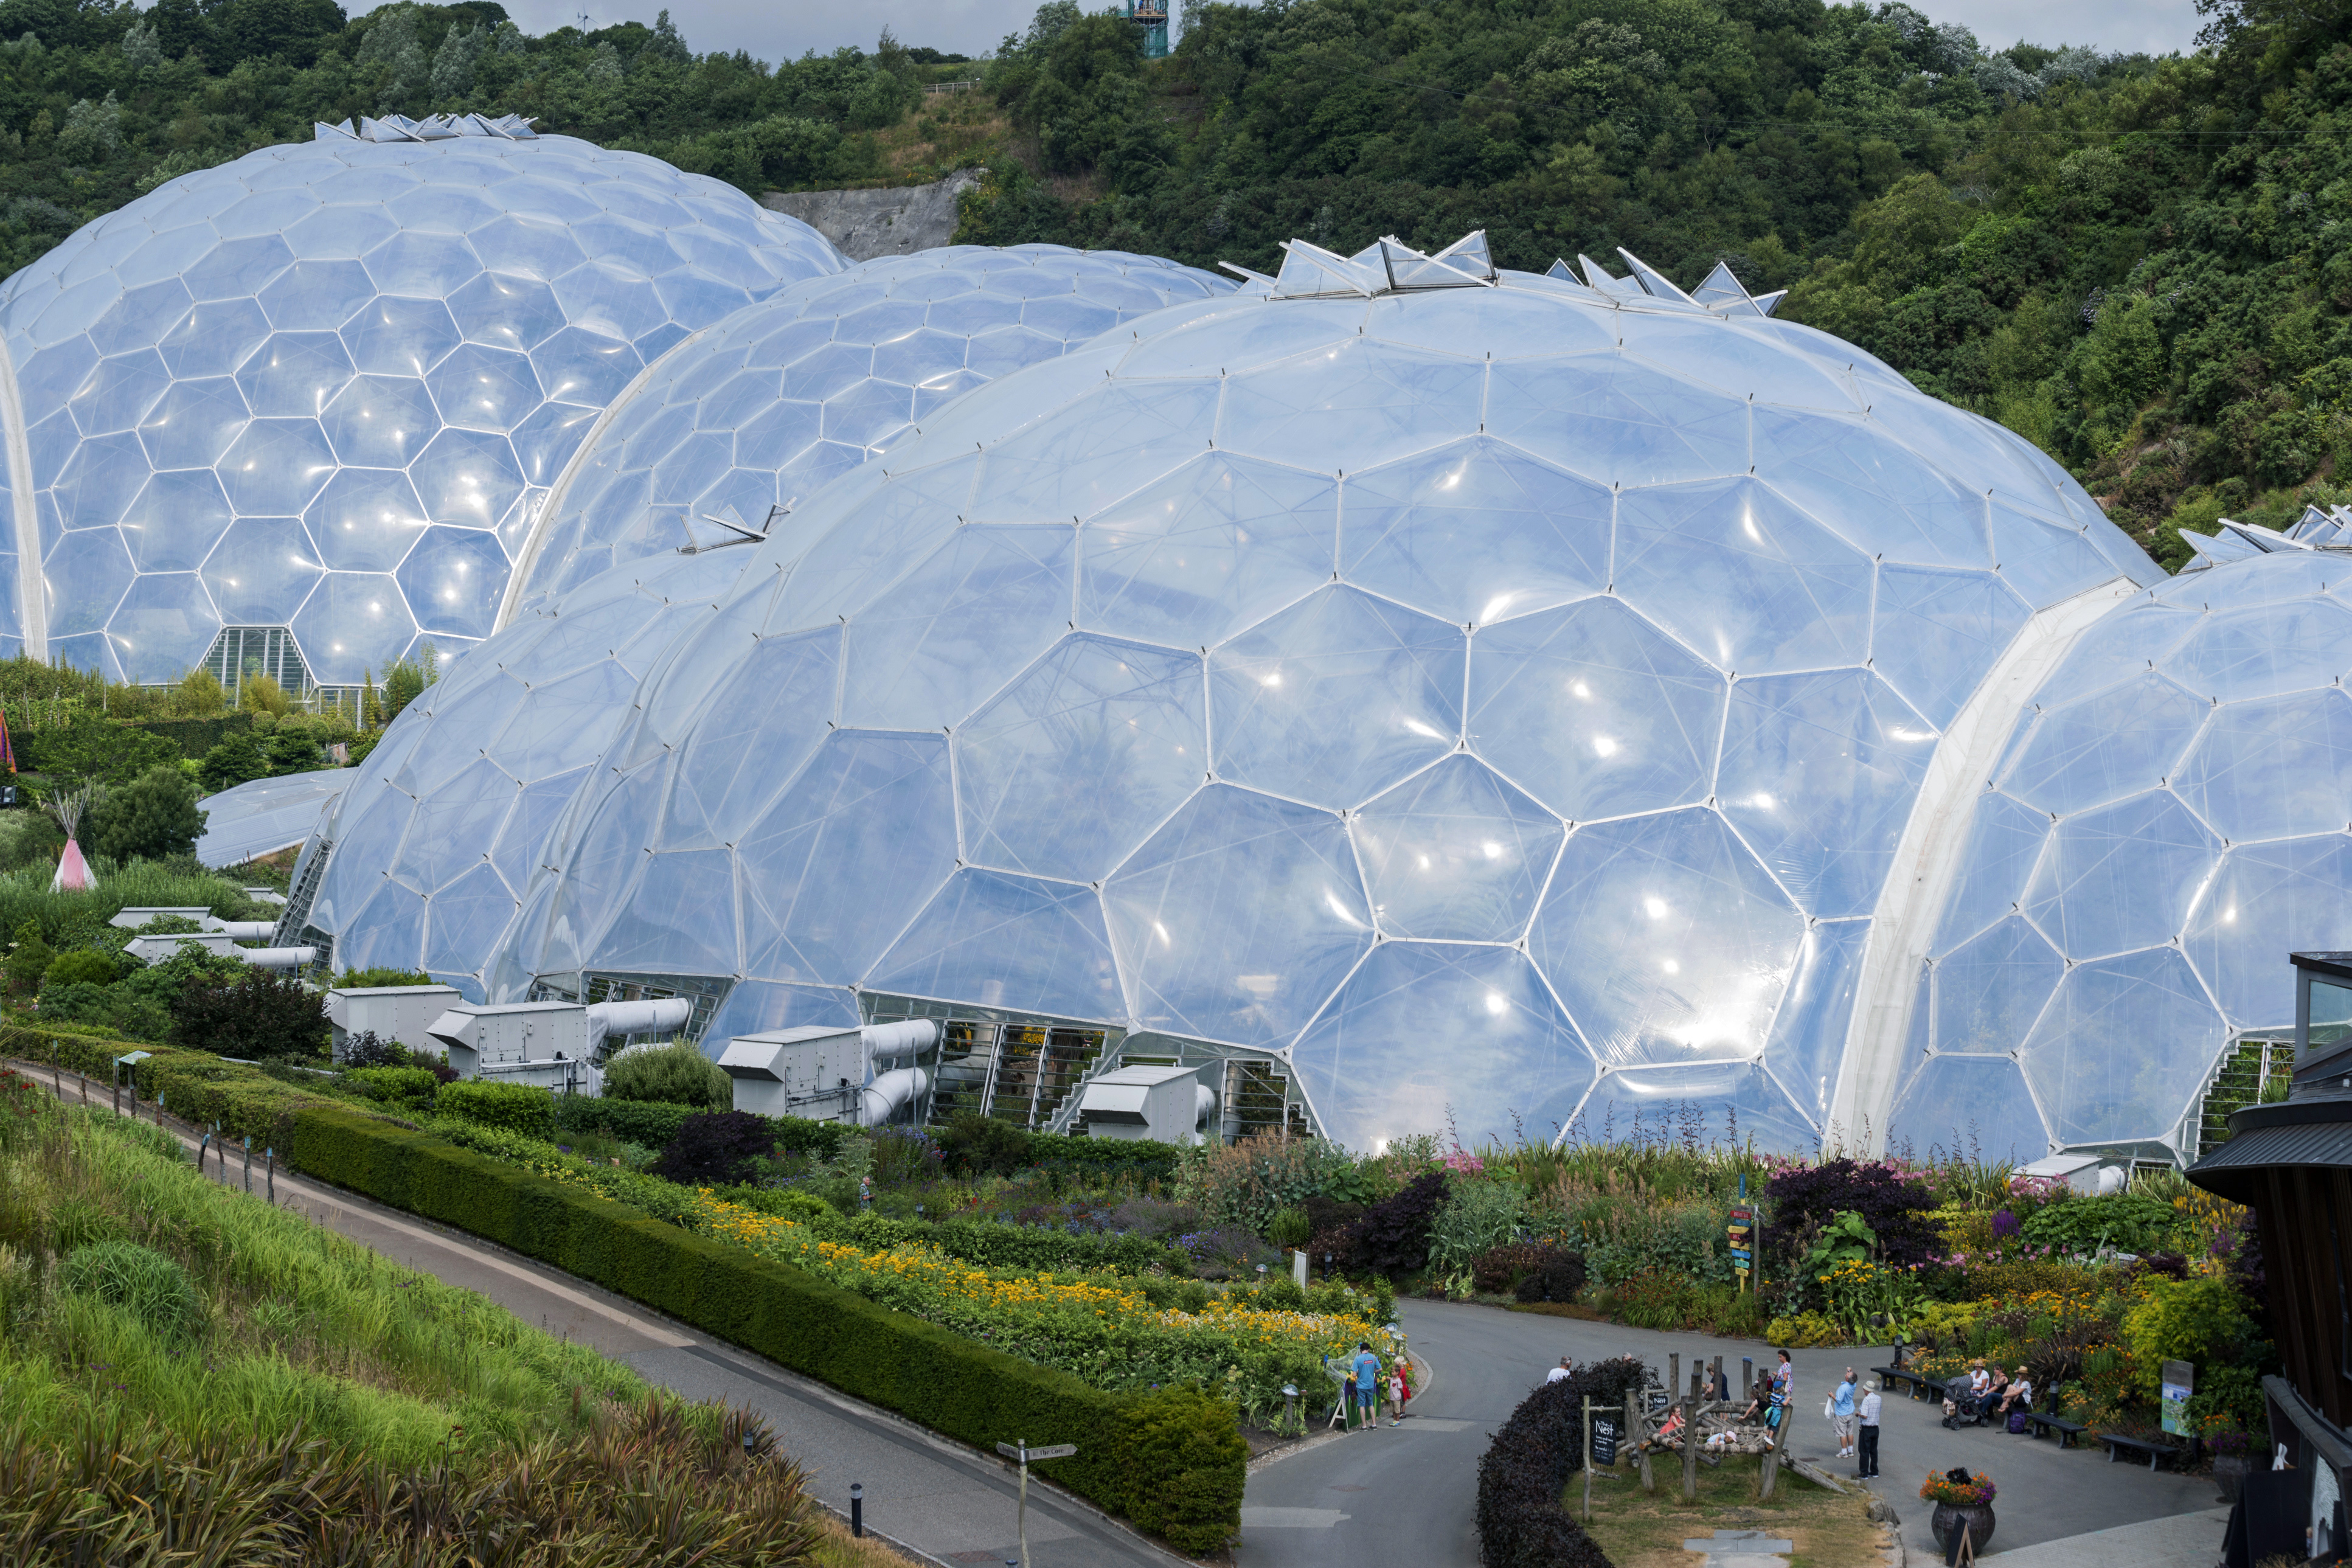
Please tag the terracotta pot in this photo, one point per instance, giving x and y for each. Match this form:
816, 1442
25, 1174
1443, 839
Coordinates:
2230, 1473
1949, 1517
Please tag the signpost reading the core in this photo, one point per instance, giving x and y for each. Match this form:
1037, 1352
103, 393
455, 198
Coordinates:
1024, 1453
2179, 1382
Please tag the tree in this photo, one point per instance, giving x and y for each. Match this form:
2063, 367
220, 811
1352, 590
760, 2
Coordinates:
677, 1074
154, 816
239, 759
201, 693
29, 958
258, 1015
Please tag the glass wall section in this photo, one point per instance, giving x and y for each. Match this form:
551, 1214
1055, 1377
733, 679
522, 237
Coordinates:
326, 388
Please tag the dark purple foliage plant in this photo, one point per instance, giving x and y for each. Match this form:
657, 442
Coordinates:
1894, 1202
713, 1148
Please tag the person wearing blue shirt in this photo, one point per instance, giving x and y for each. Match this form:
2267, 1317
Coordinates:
1368, 1383
1842, 1414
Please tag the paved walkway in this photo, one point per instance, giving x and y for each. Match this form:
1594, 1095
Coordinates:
2183, 1541
1405, 1496
938, 1501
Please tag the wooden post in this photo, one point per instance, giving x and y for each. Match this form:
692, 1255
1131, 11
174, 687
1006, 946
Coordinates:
1674, 1375
1768, 1475
1584, 1447
1637, 1431
1690, 1452
1715, 1377
1747, 1377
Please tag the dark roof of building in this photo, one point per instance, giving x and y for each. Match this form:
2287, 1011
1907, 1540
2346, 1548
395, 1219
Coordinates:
2299, 1132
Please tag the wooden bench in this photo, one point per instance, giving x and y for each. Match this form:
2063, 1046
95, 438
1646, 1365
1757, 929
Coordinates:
1891, 1375
2067, 1430
2117, 1443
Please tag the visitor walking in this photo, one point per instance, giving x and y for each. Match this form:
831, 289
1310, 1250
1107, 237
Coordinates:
1868, 1468
1560, 1373
1842, 1414
1367, 1384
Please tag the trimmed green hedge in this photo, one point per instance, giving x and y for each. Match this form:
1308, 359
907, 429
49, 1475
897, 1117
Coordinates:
196, 1086
194, 737
511, 1106
942, 1379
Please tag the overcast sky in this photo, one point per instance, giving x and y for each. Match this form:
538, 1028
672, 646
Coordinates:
775, 32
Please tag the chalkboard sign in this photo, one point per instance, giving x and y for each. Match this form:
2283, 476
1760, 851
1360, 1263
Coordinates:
1605, 1440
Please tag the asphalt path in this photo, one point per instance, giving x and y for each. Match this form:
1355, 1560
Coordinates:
935, 1499
1404, 1495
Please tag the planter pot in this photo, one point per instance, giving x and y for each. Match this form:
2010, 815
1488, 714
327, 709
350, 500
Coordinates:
1949, 1518
2230, 1473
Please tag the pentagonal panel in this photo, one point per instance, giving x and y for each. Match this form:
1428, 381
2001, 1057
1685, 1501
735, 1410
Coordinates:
1819, 773
835, 868
1456, 854
1743, 577
1989, 992
1336, 698
2265, 901
1238, 918
1808, 1032
1869, 489
680, 919
1350, 406
2003, 844
1513, 1060
2264, 652
1476, 531
957, 627
1214, 546
2273, 768
1937, 632
1617, 422
2121, 876
1038, 947
1667, 940
1595, 712
761, 726
2123, 1048
1968, 1107
2126, 740
1082, 757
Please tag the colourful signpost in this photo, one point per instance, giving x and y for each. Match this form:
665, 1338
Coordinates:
2179, 1382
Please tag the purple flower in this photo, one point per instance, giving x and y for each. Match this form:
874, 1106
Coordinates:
2004, 1226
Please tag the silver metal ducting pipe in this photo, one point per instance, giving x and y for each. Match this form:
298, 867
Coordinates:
893, 1042
250, 930
648, 1017
890, 1093
278, 957
1205, 1106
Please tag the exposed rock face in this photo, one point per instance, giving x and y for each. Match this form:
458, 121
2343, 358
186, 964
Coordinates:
864, 225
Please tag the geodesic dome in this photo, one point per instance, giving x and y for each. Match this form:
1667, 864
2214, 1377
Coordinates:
760, 404
317, 394
1520, 698
2167, 821
764, 408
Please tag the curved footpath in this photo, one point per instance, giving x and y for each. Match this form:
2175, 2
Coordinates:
934, 1498
1404, 1496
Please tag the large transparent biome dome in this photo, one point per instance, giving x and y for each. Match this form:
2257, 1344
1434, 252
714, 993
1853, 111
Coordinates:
762, 409
1504, 700
326, 387
2167, 821
450, 816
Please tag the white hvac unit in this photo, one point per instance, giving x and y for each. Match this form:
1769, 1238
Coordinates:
1169, 1104
488, 1036
402, 1013
825, 1073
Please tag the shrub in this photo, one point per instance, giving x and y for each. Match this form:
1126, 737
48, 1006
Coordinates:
82, 966
1808, 1198
1392, 1237
1476, 1215
1288, 1228
2128, 1222
649, 1122
1555, 1274
151, 1287
2201, 1320
414, 1085
154, 816
510, 1107
378, 979
1186, 1453
976, 1145
1499, 1270
257, 1016
1521, 1522
713, 1148
675, 1074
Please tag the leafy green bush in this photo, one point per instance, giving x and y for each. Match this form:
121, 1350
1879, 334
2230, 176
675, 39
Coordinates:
411, 1086
1185, 1452
1477, 1216
1289, 1227
2128, 1222
714, 1147
2203, 1320
379, 978
511, 1106
151, 1287
82, 966
675, 1074
257, 1016
152, 816
645, 1122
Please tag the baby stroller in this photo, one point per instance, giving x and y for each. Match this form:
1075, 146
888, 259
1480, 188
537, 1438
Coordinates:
1963, 1406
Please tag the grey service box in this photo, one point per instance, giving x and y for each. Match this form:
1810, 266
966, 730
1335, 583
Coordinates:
814, 1072
476, 1034
402, 1013
1161, 1104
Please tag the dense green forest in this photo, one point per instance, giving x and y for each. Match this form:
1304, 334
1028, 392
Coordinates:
2136, 262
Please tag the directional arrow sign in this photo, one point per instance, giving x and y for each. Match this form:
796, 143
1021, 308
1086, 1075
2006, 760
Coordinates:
1058, 1451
